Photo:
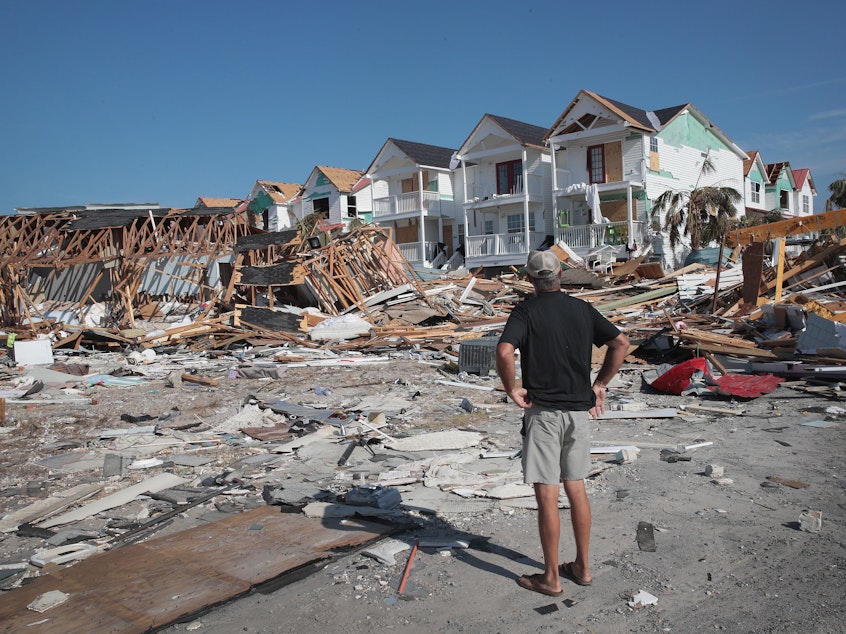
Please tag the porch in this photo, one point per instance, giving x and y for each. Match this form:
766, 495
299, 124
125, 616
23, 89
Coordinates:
418, 254
584, 238
502, 244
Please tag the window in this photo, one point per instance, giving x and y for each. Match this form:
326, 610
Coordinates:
784, 199
321, 205
596, 163
756, 192
509, 177
488, 228
515, 222
409, 185
653, 144
806, 205
352, 210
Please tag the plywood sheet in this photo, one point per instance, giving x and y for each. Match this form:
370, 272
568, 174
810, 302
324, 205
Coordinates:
149, 585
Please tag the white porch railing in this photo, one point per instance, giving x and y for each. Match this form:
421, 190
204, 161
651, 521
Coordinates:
534, 181
590, 236
502, 243
411, 251
406, 203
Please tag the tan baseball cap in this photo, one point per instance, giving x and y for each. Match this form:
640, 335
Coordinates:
542, 264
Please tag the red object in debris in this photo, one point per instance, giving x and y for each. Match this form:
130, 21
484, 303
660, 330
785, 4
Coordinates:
677, 379
746, 386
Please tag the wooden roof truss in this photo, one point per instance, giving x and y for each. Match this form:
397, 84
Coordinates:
51, 241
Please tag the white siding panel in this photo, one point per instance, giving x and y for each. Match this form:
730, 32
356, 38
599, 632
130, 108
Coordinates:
381, 189
633, 158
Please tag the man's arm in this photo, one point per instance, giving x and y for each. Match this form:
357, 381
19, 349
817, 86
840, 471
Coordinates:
508, 375
614, 355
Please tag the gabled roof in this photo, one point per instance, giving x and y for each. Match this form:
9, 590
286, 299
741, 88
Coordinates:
748, 163
774, 169
361, 184
525, 133
423, 154
802, 175
341, 178
210, 201
636, 117
648, 121
279, 192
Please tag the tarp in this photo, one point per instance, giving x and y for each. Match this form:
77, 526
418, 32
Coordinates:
693, 377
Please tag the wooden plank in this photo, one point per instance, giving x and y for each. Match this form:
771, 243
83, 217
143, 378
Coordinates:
153, 584
753, 270
735, 351
637, 299
187, 377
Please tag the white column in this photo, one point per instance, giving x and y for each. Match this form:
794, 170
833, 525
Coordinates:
630, 219
372, 206
526, 201
554, 175
464, 206
421, 230
555, 227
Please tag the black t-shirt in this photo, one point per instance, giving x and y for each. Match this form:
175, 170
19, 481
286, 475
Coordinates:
554, 333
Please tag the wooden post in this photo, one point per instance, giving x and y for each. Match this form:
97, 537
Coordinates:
717, 281
779, 270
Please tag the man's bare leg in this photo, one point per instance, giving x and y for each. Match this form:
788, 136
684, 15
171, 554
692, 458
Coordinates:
549, 527
581, 518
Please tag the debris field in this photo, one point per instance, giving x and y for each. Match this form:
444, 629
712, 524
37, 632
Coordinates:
326, 416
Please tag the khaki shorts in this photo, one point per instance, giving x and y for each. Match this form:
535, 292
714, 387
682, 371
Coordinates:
556, 445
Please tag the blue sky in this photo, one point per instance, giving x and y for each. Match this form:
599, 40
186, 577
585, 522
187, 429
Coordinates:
156, 101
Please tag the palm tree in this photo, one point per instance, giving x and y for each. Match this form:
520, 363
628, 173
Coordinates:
837, 199
705, 214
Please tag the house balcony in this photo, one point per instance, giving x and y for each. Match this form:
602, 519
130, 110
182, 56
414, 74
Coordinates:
531, 185
408, 206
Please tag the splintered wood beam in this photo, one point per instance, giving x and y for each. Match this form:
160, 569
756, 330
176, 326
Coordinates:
25, 301
230, 288
783, 228
91, 287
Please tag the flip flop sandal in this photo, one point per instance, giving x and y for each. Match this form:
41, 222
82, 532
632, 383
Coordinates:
533, 583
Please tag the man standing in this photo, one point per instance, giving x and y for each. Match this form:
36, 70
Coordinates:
555, 333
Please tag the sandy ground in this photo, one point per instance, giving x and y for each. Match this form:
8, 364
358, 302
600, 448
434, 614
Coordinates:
729, 555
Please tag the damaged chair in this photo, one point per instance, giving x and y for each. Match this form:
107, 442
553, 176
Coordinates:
602, 258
